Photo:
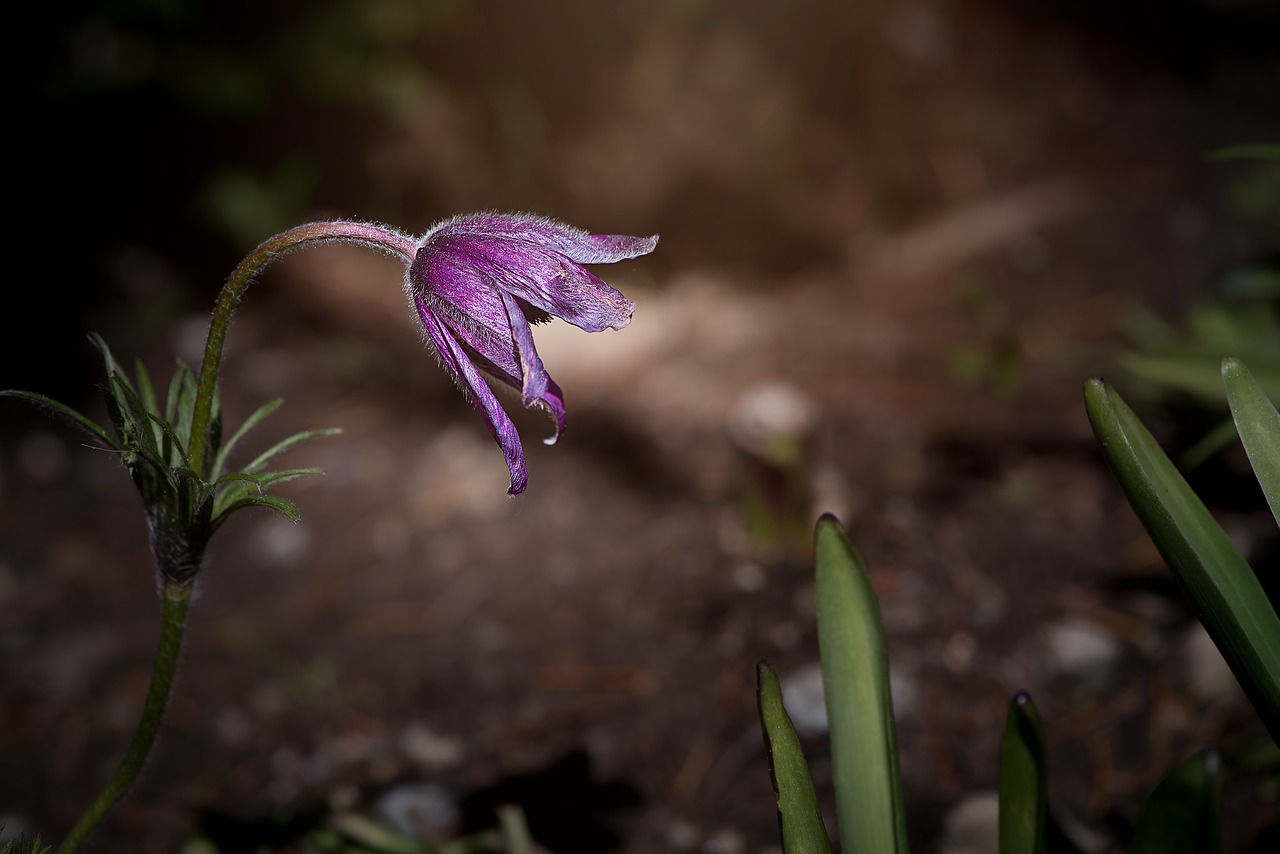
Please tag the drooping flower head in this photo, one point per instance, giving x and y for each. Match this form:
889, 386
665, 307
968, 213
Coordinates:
478, 280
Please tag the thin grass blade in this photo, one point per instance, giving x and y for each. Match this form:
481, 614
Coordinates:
259, 415
84, 423
855, 668
370, 836
175, 388
108, 360
1258, 423
1024, 799
1257, 151
1227, 595
286, 444
799, 817
235, 485
516, 838
147, 393
283, 506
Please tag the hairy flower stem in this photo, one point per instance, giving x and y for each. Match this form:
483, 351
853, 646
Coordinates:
176, 598
377, 237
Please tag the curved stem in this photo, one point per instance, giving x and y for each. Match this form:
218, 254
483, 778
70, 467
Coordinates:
377, 237
173, 622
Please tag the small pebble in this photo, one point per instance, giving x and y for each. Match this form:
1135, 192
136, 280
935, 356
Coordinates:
972, 826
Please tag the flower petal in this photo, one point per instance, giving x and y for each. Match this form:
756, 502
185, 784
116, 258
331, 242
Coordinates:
534, 376
496, 352
542, 277
574, 243
553, 401
457, 363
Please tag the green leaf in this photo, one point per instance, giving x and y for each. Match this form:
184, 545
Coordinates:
371, 836
1024, 796
1182, 816
240, 484
182, 403
108, 361
142, 427
1226, 593
1209, 444
138, 422
1258, 151
252, 421
799, 817
86, 424
515, 830
1259, 426
231, 477
270, 478
482, 842
181, 375
147, 393
283, 506
24, 844
855, 672
285, 445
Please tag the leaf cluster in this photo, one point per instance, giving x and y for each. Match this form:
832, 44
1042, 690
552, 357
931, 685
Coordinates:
24, 845
152, 437
1183, 812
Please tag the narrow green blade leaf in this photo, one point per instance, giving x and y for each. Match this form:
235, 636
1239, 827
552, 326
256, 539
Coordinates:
1226, 593
283, 506
371, 836
236, 484
1259, 425
83, 422
271, 478
799, 817
484, 842
1258, 151
175, 389
108, 361
237, 477
147, 393
855, 674
233, 491
138, 420
1182, 816
184, 403
285, 445
515, 830
252, 421
147, 425
1024, 795
1209, 444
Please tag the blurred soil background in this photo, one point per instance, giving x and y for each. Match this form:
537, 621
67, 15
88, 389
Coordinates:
897, 235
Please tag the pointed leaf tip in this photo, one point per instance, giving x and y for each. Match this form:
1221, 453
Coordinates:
855, 670
1231, 602
1258, 424
1023, 780
799, 817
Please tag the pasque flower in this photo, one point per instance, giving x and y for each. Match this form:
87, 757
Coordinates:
478, 281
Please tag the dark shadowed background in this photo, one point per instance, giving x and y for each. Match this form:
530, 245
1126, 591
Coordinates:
896, 237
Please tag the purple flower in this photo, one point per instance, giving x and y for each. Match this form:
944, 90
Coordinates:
477, 282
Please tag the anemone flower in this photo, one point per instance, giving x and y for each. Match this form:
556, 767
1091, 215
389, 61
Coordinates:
478, 281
